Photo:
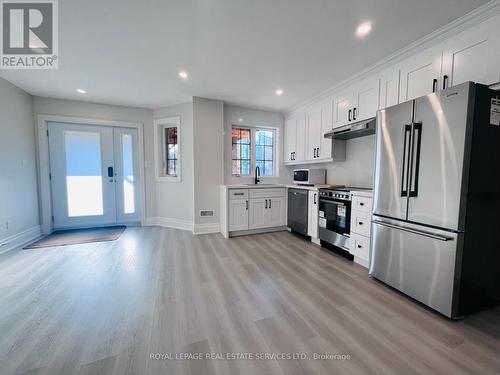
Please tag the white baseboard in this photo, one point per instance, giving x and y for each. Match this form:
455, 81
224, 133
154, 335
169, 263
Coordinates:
22, 238
170, 223
183, 225
206, 228
361, 262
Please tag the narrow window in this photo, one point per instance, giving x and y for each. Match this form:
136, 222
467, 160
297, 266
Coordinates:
264, 151
171, 151
241, 154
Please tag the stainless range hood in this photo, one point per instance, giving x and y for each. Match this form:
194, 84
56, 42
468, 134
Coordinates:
350, 131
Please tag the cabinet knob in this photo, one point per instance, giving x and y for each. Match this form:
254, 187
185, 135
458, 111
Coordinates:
361, 204
360, 223
359, 246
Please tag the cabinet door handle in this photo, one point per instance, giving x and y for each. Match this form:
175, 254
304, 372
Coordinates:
269, 203
317, 152
360, 222
349, 116
239, 193
314, 199
266, 203
247, 205
354, 113
434, 85
361, 204
445, 81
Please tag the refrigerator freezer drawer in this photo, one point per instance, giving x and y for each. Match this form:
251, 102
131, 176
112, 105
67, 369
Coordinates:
418, 262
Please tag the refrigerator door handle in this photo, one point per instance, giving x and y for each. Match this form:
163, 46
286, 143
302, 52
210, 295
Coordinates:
406, 160
417, 127
411, 230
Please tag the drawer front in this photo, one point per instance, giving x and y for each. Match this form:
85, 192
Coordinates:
360, 223
267, 193
238, 193
360, 246
363, 204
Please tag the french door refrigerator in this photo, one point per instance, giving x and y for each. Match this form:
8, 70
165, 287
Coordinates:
436, 210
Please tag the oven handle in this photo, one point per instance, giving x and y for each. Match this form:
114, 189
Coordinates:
329, 200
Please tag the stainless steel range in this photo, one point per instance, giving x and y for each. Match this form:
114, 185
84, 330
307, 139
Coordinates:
335, 216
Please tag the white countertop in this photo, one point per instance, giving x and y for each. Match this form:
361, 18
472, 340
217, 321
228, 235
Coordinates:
365, 192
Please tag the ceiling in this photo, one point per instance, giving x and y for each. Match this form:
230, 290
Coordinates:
129, 52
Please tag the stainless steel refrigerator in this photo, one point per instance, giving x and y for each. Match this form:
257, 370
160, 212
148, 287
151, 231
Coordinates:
436, 223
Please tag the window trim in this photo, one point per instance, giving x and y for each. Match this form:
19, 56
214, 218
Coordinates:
253, 149
160, 148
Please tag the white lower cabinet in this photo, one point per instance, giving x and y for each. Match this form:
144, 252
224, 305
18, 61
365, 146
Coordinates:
312, 221
276, 212
360, 227
266, 213
262, 208
238, 214
257, 213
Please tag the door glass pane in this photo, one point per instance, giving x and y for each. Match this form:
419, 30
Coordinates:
128, 174
83, 173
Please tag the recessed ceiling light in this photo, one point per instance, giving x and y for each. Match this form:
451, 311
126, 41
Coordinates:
183, 74
240, 120
81, 91
363, 29
279, 92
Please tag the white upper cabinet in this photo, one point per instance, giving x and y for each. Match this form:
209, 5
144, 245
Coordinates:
325, 150
358, 103
301, 139
295, 131
319, 121
473, 56
291, 138
313, 133
342, 108
389, 87
421, 74
366, 99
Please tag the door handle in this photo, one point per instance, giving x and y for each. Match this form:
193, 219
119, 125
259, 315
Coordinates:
406, 160
349, 116
445, 81
417, 127
354, 113
415, 231
434, 85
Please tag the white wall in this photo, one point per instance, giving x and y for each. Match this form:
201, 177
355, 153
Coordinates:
358, 168
253, 118
208, 151
175, 200
18, 183
72, 108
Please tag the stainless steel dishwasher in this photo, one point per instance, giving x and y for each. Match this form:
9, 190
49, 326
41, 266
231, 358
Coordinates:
297, 210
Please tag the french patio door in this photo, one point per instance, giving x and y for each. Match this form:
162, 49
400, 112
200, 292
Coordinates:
94, 175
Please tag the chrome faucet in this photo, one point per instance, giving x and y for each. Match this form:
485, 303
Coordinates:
257, 175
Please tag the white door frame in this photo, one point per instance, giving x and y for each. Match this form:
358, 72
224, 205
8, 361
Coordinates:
44, 186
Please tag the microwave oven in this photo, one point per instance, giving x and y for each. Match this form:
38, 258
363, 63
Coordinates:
309, 176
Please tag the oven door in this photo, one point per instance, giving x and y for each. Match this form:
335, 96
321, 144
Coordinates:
301, 176
335, 215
